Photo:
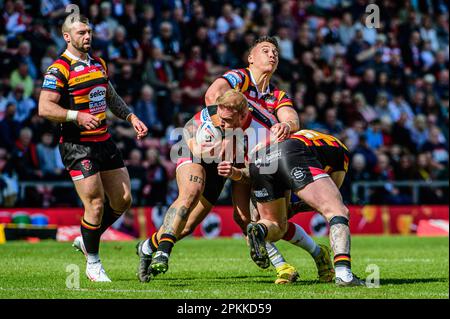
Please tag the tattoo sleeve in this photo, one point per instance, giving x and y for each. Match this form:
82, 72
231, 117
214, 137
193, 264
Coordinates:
340, 239
116, 104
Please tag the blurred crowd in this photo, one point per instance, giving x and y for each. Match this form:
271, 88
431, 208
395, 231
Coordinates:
384, 91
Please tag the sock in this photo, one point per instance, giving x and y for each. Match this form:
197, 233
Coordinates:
340, 241
275, 256
150, 244
91, 239
109, 217
297, 235
264, 229
166, 243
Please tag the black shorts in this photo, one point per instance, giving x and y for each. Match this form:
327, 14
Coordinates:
86, 159
214, 183
297, 167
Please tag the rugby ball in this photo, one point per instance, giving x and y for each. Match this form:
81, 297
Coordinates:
207, 133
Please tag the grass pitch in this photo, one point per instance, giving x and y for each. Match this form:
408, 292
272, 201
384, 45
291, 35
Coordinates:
409, 267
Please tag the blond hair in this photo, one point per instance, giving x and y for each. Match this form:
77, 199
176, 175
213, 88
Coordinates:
234, 100
72, 19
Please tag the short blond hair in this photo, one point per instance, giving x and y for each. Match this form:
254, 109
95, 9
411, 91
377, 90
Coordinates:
233, 99
71, 19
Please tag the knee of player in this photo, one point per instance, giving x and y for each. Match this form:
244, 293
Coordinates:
95, 206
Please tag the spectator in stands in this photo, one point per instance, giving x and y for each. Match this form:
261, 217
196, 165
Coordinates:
436, 147
156, 189
21, 76
166, 42
49, 158
24, 106
9, 128
193, 90
17, 21
229, 21
127, 84
147, 111
25, 158
332, 124
374, 134
124, 50
137, 174
159, 73
9, 184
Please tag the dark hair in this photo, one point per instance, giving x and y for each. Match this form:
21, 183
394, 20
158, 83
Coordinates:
265, 39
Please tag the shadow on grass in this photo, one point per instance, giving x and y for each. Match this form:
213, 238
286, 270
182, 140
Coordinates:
409, 281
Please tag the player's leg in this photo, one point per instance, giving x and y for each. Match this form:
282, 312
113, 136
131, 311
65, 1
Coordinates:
286, 273
270, 227
324, 196
191, 182
196, 216
116, 184
90, 190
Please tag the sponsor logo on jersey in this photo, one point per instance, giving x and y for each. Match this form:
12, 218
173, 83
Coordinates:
79, 68
49, 82
97, 94
298, 174
233, 78
261, 193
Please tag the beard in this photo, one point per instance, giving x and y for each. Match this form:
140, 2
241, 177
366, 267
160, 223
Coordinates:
82, 48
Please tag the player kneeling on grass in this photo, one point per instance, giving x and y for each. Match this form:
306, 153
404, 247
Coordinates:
300, 170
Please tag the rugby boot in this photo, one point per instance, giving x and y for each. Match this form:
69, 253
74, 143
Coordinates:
95, 272
159, 263
258, 251
286, 274
143, 271
355, 282
324, 265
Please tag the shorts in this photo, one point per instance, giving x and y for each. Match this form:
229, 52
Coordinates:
297, 167
86, 159
214, 183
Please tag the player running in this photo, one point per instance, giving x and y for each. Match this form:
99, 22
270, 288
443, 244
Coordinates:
304, 161
76, 92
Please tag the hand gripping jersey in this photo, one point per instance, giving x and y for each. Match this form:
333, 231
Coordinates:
82, 86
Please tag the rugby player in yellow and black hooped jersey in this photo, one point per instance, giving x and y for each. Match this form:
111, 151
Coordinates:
76, 92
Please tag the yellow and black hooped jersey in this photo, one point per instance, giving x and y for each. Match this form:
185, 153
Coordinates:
82, 86
263, 106
331, 152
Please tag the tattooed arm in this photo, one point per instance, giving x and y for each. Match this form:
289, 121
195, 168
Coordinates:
120, 109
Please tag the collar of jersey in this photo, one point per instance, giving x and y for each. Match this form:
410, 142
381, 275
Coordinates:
256, 86
73, 57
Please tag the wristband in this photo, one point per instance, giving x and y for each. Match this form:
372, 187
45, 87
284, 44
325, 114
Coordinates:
130, 117
71, 115
242, 175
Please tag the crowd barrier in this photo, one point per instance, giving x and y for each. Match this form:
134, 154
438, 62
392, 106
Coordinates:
430, 220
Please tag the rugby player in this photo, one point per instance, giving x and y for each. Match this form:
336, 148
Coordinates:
274, 109
198, 182
304, 161
76, 92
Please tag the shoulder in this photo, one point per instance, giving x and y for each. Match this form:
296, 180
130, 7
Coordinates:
99, 60
60, 68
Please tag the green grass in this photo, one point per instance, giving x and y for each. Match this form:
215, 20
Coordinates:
410, 267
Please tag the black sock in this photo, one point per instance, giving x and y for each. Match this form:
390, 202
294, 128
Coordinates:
91, 236
166, 243
264, 229
109, 217
153, 242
